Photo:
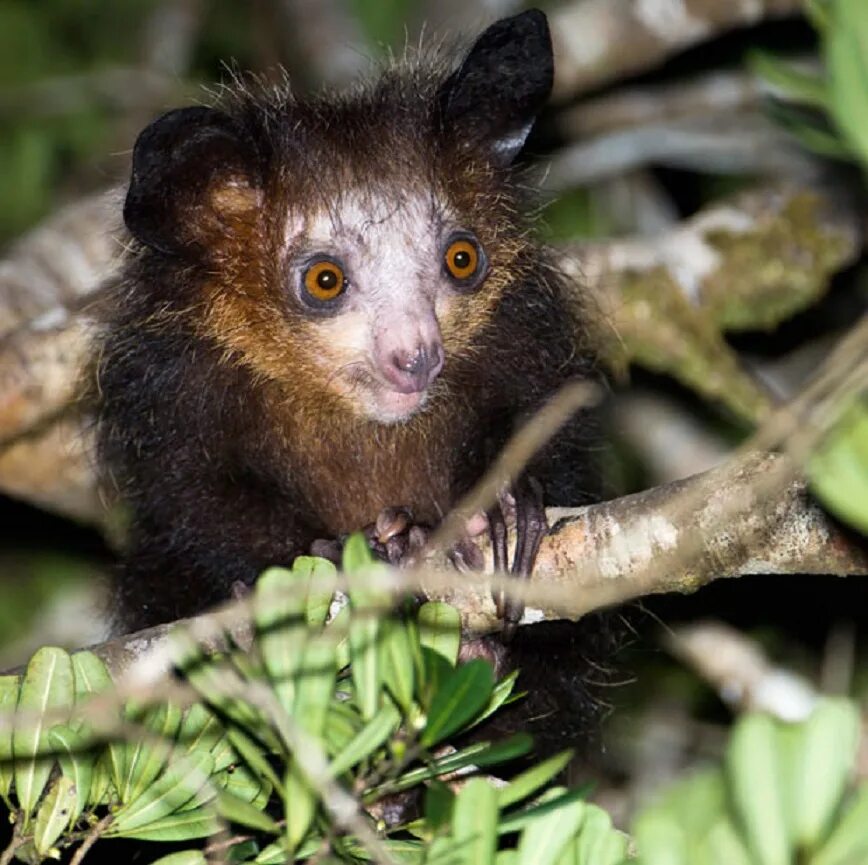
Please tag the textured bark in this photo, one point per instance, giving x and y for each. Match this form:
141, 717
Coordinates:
747, 517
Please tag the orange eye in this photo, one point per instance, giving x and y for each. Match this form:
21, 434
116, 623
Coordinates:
324, 280
462, 259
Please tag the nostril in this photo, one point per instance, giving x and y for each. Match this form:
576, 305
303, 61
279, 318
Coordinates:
411, 362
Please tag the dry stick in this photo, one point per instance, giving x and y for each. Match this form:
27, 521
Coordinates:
92, 837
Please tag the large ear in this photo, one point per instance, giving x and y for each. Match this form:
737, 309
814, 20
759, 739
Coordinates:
193, 177
499, 89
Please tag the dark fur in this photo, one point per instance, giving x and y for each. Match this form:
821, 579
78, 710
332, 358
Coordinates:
188, 422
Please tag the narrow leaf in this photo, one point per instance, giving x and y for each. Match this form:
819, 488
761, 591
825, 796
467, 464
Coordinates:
370, 737
201, 823
458, 699
235, 810
474, 822
547, 835
176, 786
532, 780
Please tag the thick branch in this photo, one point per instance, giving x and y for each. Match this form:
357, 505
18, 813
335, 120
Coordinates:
597, 41
675, 538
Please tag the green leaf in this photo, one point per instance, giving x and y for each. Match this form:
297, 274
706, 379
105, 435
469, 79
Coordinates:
551, 802
848, 842
300, 804
532, 780
458, 700
755, 778
53, 814
91, 676
235, 810
356, 554
9, 687
320, 576
273, 854
183, 857
175, 787
439, 802
839, 469
474, 822
315, 684
365, 656
396, 660
723, 845
102, 791
440, 629
47, 686
201, 823
793, 84
829, 740
76, 758
200, 730
502, 694
370, 737
846, 51
479, 755
661, 838
546, 836
147, 758
279, 614
240, 782
598, 843
252, 755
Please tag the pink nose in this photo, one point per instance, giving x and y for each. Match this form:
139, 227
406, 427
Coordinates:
413, 371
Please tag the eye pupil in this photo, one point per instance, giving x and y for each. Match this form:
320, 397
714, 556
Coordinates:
327, 280
461, 260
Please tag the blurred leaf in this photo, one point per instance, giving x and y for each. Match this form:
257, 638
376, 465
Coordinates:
279, 614
396, 660
532, 780
829, 740
474, 821
848, 842
755, 778
372, 736
794, 84
846, 50
440, 629
598, 842
839, 468
545, 837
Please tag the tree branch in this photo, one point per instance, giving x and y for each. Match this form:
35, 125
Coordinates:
597, 41
674, 538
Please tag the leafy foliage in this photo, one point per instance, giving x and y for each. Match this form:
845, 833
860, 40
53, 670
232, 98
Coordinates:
280, 736
782, 797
